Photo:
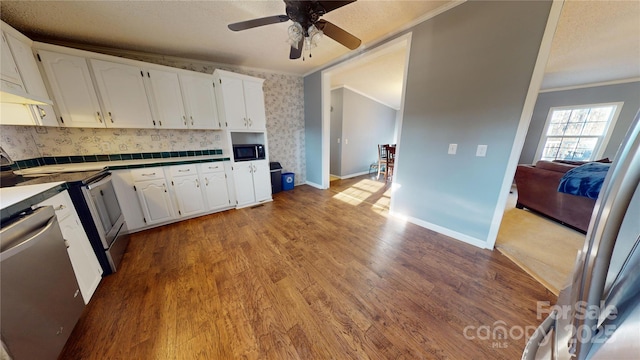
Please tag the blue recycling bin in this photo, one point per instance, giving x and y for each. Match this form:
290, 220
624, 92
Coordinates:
288, 179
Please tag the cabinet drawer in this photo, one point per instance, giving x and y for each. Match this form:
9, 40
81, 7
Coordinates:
183, 170
147, 174
61, 204
212, 167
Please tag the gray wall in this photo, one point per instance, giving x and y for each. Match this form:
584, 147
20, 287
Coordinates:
335, 166
469, 71
365, 124
313, 127
629, 93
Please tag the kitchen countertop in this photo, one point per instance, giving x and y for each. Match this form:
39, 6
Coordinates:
118, 164
49, 180
14, 200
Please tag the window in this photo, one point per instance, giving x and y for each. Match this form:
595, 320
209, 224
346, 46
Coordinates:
578, 133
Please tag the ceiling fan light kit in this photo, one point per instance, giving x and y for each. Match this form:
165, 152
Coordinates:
307, 29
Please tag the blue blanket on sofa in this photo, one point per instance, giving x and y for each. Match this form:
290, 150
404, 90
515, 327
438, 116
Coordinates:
584, 180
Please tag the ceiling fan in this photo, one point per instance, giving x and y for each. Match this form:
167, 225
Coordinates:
307, 28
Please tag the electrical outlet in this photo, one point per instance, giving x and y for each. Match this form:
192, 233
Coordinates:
481, 151
453, 148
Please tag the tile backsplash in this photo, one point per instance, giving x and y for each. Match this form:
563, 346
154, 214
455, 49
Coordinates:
25, 142
284, 105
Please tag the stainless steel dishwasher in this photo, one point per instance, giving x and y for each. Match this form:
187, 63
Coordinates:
40, 298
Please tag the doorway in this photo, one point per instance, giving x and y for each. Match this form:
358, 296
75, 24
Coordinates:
362, 107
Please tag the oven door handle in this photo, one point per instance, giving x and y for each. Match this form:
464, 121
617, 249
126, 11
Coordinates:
100, 182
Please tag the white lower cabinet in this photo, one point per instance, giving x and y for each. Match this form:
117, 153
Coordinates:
213, 181
252, 182
165, 194
151, 186
83, 260
186, 189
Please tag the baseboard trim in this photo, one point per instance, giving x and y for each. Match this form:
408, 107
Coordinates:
317, 186
352, 175
445, 231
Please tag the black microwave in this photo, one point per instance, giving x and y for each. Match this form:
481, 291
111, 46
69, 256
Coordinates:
247, 152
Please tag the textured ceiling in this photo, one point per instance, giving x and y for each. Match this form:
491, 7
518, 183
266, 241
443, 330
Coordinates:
596, 41
198, 29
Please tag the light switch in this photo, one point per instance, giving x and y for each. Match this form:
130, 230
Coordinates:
482, 150
346, 141
338, 140
453, 148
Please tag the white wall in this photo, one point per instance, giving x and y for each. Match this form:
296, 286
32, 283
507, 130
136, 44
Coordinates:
365, 123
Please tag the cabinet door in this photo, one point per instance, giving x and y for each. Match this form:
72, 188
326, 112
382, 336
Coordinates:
154, 200
167, 99
243, 176
254, 103
8, 65
83, 259
32, 80
200, 100
261, 180
16, 114
123, 95
72, 88
233, 103
214, 188
188, 194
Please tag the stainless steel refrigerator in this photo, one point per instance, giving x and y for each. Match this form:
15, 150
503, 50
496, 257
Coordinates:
597, 315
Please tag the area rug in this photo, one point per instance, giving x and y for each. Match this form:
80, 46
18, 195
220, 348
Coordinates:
543, 248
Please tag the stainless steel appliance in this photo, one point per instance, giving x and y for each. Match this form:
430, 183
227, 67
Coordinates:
248, 152
41, 300
97, 205
598, 315
95, 201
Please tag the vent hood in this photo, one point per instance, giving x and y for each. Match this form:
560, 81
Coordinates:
15, 95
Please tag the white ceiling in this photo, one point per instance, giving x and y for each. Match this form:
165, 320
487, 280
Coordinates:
596, 41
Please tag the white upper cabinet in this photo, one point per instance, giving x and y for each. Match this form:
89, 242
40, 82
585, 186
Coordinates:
200, 100
169, 111
73, 92
123, 94
254, 103
241, 101
43, 115
10, 73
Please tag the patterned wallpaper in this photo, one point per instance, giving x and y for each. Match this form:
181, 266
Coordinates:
284, 104
26, 142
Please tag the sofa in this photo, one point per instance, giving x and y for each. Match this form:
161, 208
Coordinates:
537, 187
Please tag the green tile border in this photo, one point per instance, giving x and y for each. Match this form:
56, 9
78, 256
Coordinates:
58, 160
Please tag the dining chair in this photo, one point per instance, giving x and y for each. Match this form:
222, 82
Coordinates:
390, 151
382, 160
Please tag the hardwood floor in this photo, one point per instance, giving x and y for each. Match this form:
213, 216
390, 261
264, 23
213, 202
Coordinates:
312, 275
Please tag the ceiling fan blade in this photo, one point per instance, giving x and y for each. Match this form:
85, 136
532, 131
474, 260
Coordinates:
332, 5
244, 25
338, 34
296, 53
